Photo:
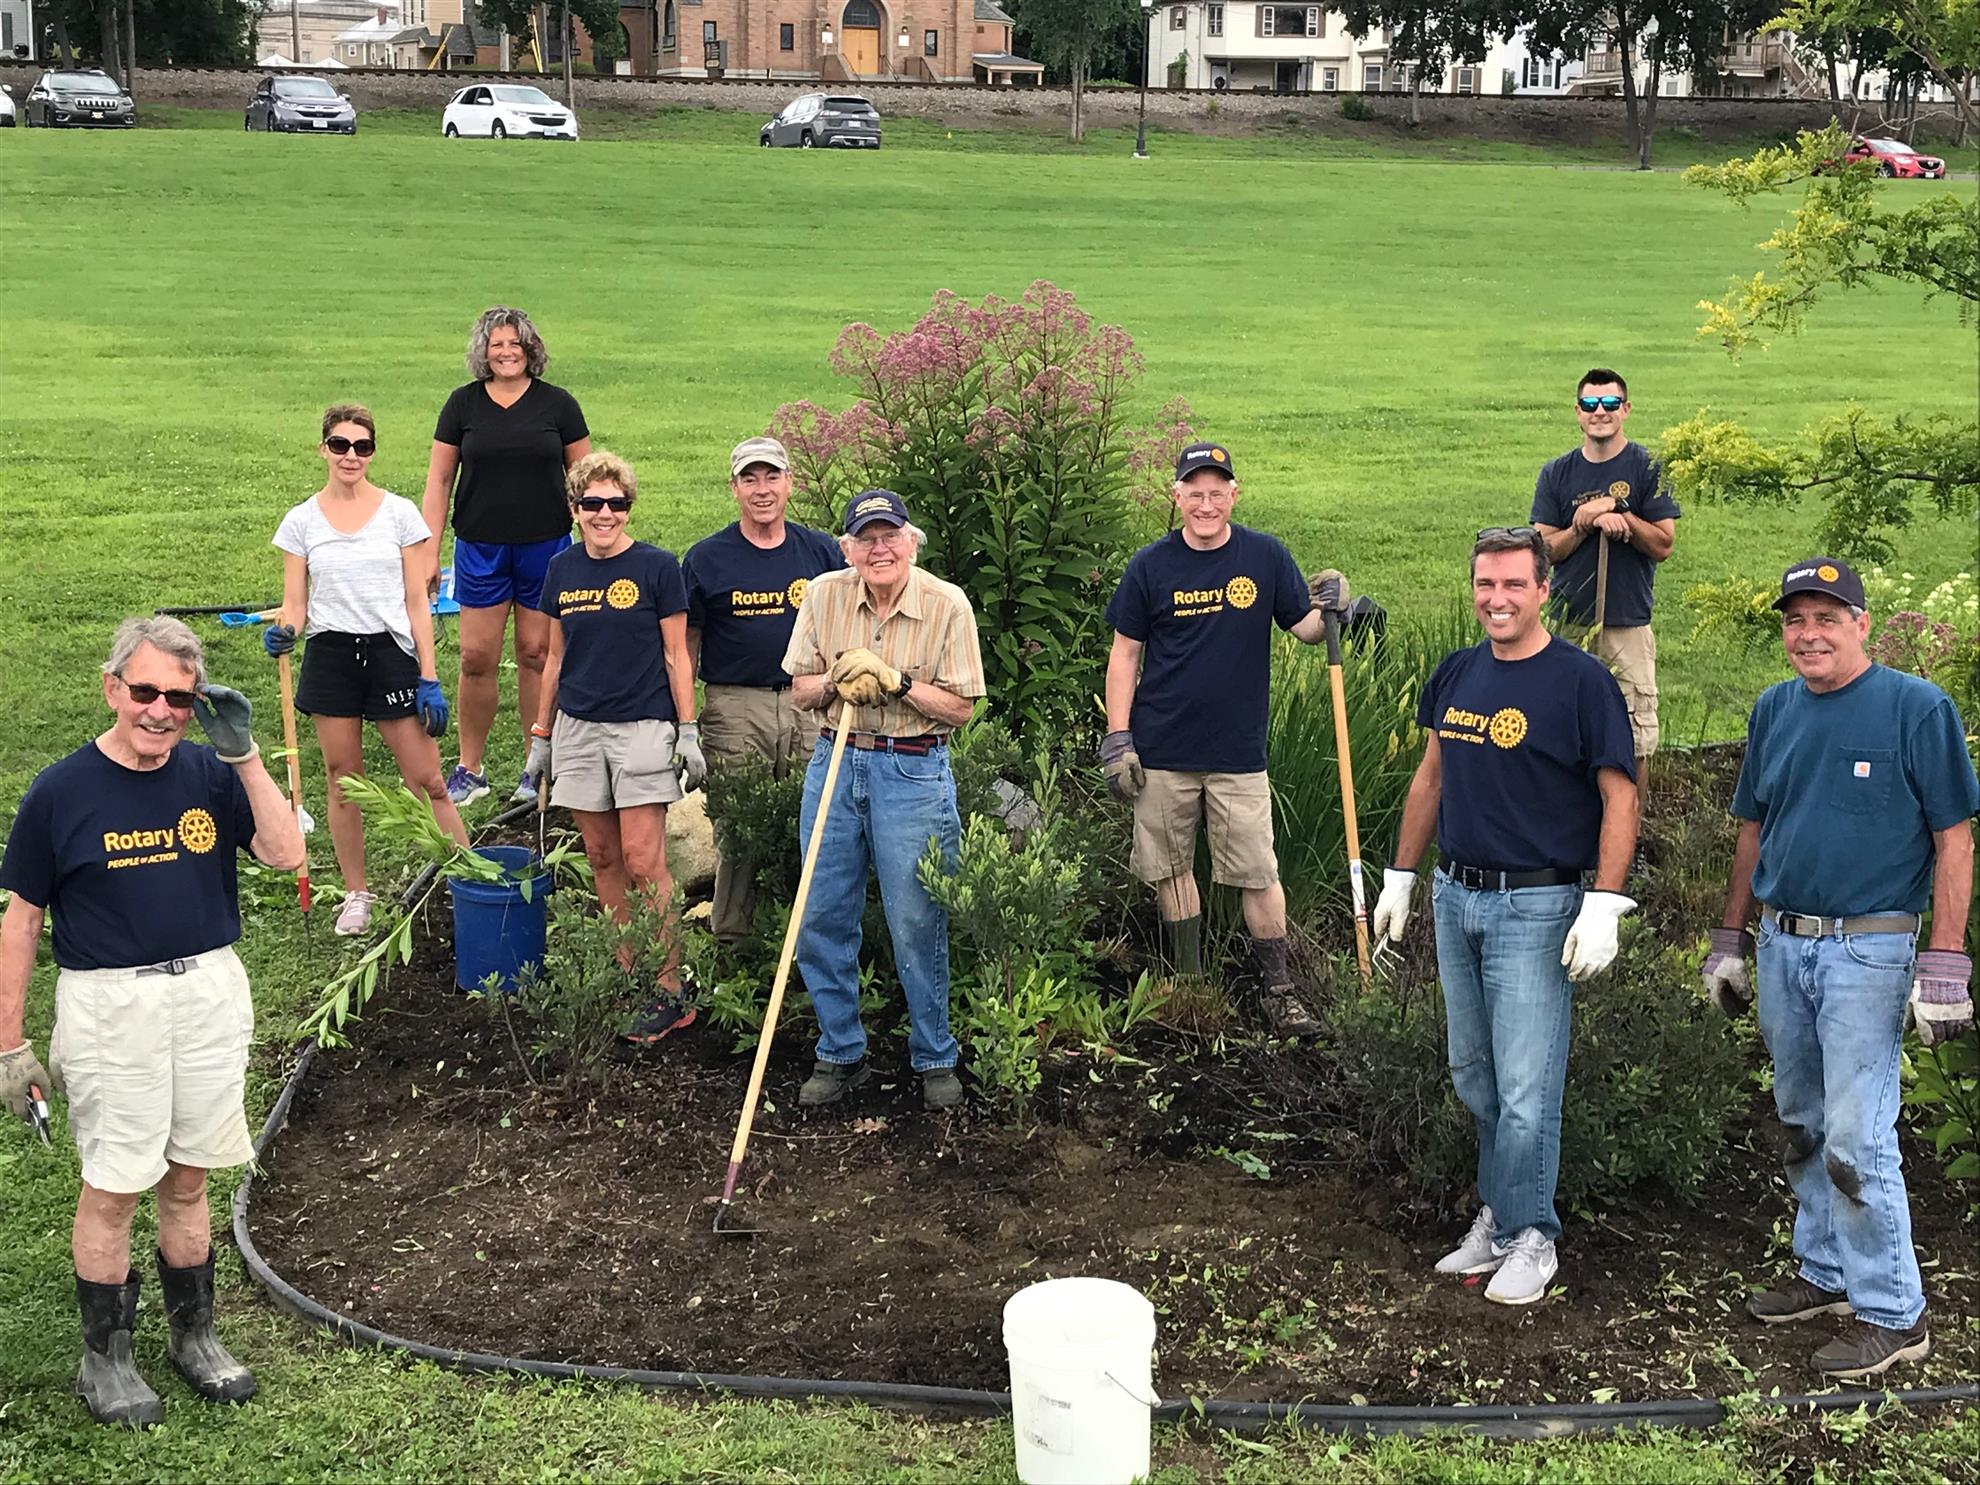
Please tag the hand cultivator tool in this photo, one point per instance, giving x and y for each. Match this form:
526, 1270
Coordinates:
776, 1005
1347, 794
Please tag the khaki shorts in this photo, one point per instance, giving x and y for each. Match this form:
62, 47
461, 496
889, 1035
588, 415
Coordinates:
1237, 807
738, 721
1632, 657
153, 1066
601, 766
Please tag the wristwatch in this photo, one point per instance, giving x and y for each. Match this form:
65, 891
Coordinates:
899, 693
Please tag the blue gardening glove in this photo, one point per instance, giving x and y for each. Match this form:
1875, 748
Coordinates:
278, 640
225, 716
431, 704
1123, 766
1941, 995
687, 754
1724, 972
1328, 590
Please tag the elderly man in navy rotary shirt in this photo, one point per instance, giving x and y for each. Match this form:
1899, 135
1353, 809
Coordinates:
128, 843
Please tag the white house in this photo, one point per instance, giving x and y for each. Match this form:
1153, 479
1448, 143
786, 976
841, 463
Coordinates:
17, 28
1275, 48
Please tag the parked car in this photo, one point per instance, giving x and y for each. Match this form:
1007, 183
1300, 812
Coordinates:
6, 107
300, 105
499, 110
824, 121
1893, 157
78, 98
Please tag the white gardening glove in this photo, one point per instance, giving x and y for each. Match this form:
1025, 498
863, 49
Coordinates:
1591, 943
1725, 971
1392, 907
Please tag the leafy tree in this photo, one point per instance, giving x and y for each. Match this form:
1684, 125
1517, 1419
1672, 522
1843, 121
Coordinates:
183, 32
1429, 35
1069, 35
1874, 471
1942, 36
600, 18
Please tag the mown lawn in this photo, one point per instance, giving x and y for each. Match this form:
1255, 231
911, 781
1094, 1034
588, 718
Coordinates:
1388, 350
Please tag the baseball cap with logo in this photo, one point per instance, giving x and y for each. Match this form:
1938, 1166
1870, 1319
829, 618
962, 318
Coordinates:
1828, 575
1204, 456
869, 506
757, 451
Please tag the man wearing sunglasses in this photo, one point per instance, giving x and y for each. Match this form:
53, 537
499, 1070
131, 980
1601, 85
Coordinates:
129, 844
1610, 491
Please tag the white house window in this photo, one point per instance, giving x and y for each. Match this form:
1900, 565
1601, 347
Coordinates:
1178, 18
1467, 80
1371, 77
1289, 20
1330, 79
1215, 15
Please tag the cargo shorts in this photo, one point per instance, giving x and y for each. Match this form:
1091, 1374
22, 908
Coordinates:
1631, 654
1236, 808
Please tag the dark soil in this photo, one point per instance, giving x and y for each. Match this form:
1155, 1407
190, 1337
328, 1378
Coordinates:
426, 1187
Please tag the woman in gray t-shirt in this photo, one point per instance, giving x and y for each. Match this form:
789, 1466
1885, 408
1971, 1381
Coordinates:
354, 581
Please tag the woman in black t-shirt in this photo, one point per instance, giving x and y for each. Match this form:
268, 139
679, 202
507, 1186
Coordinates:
500, 450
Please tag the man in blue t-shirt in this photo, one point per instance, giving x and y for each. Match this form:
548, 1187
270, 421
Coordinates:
1526, 782
128, 843
1187, 685
1610, 493
1855, 802
744, 587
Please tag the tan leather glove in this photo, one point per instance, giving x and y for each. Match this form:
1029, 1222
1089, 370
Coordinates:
863, 678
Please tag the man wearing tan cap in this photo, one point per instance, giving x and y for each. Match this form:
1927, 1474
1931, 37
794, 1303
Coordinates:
744, 585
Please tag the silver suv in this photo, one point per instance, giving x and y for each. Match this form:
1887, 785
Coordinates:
824, 121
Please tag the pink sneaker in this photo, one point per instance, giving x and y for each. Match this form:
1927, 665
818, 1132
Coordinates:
356, 916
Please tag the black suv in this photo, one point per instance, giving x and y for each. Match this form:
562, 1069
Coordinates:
78, 98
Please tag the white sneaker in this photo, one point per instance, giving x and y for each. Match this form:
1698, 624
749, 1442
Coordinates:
1477, 1254
1527, 1269
356, 916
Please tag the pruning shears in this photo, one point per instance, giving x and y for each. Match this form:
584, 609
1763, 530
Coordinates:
38, 1111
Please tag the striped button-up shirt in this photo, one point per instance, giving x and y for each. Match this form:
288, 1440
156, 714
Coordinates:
930, 635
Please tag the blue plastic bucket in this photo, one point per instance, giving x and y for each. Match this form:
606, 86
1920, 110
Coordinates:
496, 930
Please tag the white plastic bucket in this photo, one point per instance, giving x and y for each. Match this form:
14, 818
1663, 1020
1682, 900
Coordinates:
1082, 1381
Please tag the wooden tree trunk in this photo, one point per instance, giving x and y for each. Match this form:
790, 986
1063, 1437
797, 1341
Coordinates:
130, 46
1648, 133
1630, 120
106, 21
1415, 97
1077, 130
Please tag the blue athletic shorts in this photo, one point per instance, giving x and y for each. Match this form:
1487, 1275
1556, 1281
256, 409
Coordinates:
489, 574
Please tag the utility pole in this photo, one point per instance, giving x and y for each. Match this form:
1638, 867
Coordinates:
570, 100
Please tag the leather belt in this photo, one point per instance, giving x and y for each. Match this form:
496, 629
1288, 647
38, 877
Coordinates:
1491, 879
915, 747
170, 966
1810, 925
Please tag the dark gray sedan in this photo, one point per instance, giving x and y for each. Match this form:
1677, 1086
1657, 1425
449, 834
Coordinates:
78, 98
824, 121
300, 105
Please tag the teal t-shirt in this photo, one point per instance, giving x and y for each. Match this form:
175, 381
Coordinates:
1848, 786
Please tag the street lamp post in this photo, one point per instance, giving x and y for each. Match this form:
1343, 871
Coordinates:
1147, 62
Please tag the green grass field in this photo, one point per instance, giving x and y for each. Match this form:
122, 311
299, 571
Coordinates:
1387, 341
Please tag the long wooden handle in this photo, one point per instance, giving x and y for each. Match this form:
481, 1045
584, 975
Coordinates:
295, 771
1601, 586
1341, 749
843, 728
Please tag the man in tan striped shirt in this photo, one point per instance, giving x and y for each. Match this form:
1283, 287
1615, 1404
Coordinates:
891, 651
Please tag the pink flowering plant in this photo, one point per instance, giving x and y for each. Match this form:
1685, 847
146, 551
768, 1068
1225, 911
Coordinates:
1005, 425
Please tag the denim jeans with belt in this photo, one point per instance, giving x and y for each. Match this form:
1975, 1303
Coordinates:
1832, 1012
885, 809
1507, 1006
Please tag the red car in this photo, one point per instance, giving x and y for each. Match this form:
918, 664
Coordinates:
1893, 157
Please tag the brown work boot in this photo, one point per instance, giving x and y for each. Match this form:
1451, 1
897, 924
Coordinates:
1797, 1299
1279, 996
1866, 1350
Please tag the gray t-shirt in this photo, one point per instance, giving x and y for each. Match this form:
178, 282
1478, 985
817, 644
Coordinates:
357, 581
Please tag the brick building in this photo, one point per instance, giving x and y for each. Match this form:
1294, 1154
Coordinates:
834, 41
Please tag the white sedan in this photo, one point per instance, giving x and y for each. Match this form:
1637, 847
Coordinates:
502, 110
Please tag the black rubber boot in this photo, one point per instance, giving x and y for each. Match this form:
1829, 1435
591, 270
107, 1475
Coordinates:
108, 1383
197, 1354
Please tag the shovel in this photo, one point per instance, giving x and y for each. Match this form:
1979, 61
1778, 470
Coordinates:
722, 1228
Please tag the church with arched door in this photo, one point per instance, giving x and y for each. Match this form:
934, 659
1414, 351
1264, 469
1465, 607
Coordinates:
831, 43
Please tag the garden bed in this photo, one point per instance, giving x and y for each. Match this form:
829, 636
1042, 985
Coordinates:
427, 1188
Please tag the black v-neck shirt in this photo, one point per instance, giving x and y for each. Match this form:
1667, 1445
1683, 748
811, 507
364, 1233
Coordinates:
511, 482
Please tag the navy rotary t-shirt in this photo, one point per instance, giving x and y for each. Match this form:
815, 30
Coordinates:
1521, 741
744, 599
134, 867
614, 667
1205, 620
1568, 481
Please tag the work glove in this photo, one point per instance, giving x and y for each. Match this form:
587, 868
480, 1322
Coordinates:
1392, 907
431, 704
536, 767
1725, 971
278, 640
863, 678
20, 1070
1123, 765
1328, 590
1591, 943
687, 756
224, 714
1941, 995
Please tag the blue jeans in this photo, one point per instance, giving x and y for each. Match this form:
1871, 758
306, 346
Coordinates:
1832, 1011
1507, 1007
885, 809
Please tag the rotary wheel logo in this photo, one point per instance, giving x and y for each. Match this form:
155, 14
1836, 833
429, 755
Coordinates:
1507, 727
622, 594
1241, 591
794, 595
1827, 573
196, 832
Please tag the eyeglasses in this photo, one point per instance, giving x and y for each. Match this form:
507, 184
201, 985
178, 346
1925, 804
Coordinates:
1603, 404
144, 695
591, 505
364, 448
890, 537
1524, 535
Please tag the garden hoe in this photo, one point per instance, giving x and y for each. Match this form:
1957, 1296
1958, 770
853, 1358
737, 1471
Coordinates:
1347, 795
295, 794
776, 1005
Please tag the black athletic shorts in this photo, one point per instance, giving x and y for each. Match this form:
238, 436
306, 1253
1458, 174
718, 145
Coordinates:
357, 675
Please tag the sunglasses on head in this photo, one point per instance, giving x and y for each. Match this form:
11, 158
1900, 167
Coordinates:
1599, 404
1524, 535
364, 448
144, 694
592, 504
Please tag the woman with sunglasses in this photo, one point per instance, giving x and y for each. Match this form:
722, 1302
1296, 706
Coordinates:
615, 731
354, 579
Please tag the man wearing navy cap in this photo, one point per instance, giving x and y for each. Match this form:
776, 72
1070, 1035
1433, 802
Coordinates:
1188, 681
744, 586
1855, 802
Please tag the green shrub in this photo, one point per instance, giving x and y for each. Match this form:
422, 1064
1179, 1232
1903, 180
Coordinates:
1356, 109
755, 814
